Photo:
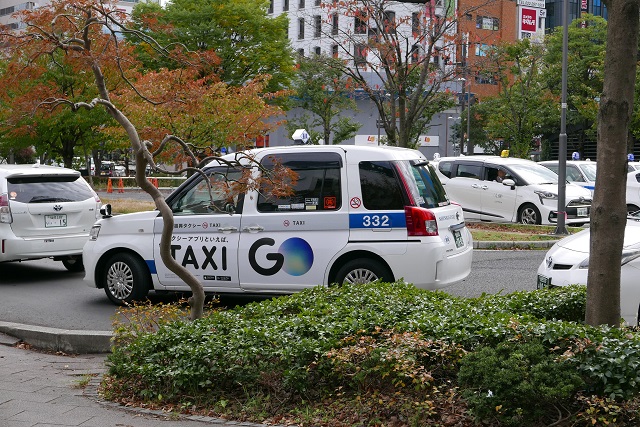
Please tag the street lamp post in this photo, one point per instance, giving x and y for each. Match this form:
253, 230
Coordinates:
469, 147
561, 228
446, 145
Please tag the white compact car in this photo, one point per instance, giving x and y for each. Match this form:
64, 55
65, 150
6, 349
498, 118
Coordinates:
567, 263
579, 172
633, 191
357, 214
492, 188
45, 212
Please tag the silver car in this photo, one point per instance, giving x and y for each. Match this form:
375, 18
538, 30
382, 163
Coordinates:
45, 212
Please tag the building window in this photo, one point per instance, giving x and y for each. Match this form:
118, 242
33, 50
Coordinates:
334, 24
360, 54
317, 50
317, 26
318, 2
301, 52
270, 7
301, 4
485, 79
359, 25
415, 53
389, 22
487, 23
415, 23
482, 49
300, 28
285, 5
334, 50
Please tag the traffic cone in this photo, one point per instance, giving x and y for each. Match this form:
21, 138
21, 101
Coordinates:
120, 186
109, 186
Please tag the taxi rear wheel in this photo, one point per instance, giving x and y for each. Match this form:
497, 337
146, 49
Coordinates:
126, 279
361, 271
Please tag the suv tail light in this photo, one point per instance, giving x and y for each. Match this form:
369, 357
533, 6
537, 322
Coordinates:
420, 221
5, 211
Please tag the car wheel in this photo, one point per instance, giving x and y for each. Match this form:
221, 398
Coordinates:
363, 270
126, 279
632, 208
529, 214
73, 264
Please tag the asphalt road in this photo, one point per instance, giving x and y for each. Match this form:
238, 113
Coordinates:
44, 293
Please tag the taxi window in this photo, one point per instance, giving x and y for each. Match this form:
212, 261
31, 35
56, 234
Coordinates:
214, 197
318, 186
380, 186
469, 171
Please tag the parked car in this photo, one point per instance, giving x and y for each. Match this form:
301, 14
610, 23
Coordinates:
527, 195
583, 173
358, 214
567, 263
579, 172
45, 212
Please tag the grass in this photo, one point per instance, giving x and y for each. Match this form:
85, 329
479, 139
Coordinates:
481, 231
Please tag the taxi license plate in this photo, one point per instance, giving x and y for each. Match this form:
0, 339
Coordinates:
582, 211
55, 221
543, 282
457, 237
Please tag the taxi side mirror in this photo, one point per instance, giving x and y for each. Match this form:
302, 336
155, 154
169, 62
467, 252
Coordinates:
511, 183
105, 211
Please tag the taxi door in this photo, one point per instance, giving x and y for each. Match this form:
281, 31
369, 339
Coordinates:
499, 201
205, 235
287, 243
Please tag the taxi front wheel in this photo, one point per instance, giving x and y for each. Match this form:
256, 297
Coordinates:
363, 270
126, 279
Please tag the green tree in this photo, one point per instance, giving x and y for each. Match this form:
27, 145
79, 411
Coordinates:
248, 41
322, 90
585, 74
515, 115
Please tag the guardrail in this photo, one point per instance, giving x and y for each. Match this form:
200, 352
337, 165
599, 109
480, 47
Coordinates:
121, 184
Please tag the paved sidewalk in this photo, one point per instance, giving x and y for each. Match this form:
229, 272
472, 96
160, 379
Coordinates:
40, 389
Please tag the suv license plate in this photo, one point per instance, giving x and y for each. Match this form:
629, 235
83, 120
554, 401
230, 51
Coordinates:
457, 237
582, 211
55, 221
543, 282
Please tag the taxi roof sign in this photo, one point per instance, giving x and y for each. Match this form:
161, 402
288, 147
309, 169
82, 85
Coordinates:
300, 135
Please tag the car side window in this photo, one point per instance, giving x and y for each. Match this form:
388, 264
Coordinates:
445, 168
469, 171
380, 186
317, 188
497, 174
214, 197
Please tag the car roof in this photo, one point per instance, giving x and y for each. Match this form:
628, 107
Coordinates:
569, 162
34, 170
489, 159
361, 151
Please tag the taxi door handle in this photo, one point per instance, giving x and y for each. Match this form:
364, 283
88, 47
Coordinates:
253, 228
484, 187
227, 229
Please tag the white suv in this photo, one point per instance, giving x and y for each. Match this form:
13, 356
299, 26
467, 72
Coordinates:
45, 212
357, 214
527, 194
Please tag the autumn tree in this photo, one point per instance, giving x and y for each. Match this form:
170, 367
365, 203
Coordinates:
321, 89
86, 35
391, 59
608, 210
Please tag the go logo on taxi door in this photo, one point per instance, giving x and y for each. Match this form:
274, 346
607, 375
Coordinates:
294, 256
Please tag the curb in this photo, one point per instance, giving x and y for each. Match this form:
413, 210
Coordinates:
64, 340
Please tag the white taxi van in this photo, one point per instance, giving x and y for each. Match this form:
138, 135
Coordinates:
45, 212
357, 214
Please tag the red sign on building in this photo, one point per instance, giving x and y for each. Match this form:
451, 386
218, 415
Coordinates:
529, 20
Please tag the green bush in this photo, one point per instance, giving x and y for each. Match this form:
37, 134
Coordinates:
517, 383
377, 338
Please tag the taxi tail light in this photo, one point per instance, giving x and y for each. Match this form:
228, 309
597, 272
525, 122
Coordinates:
420, 221
5, 210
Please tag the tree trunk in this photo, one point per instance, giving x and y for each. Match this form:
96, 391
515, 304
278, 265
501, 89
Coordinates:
608, 212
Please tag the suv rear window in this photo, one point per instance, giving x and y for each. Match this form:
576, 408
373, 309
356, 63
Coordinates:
48, 189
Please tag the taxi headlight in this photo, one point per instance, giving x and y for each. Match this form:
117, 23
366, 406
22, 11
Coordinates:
627, 256
93, 234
